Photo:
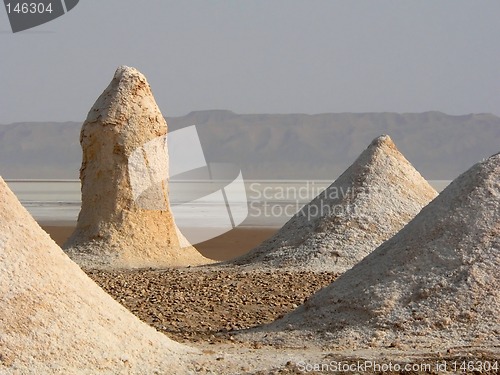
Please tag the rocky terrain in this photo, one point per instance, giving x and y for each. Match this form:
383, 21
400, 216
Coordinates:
209, 307
429, 294
209, 303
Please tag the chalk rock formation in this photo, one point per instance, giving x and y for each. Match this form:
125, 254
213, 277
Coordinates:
125, 220
370, 202
433, 285
54, 319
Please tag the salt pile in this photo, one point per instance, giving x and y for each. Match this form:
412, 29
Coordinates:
436, 284
370, 202
54, 319
125, 220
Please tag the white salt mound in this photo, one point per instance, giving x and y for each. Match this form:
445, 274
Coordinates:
125, 220
54, 319
436, 284
370, 202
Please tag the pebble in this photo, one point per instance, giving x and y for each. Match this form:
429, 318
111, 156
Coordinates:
209, 304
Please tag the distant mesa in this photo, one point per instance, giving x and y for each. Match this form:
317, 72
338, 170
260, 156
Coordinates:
434, 285
369, 203
290, 146
54, 319
125, 130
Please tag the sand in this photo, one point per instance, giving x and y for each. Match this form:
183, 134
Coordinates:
229, 245
54, 319
433, 286
149, 293
369, 203
208, 307
217, 310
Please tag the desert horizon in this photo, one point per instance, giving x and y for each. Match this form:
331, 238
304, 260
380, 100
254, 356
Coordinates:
291, 146
55, 205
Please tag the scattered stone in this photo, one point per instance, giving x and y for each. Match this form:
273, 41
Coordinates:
208, 304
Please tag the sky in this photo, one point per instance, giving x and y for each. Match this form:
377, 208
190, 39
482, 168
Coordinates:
258, 56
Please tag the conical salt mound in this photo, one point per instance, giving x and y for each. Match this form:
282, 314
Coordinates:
435, 284
125, 220
54, 319
370, 202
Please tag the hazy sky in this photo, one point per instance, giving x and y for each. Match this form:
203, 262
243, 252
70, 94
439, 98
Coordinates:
259, 56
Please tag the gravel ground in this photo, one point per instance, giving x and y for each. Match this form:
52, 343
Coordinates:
209, 304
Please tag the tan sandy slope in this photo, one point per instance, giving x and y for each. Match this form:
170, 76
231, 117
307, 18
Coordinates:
54, 319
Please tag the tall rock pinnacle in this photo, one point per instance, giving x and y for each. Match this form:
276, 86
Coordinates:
125, 220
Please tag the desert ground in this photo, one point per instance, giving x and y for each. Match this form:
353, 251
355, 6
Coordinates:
206, 307
207, 303
224, 247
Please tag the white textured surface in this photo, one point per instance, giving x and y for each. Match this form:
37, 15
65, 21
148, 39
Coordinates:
370, 202
436, 284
